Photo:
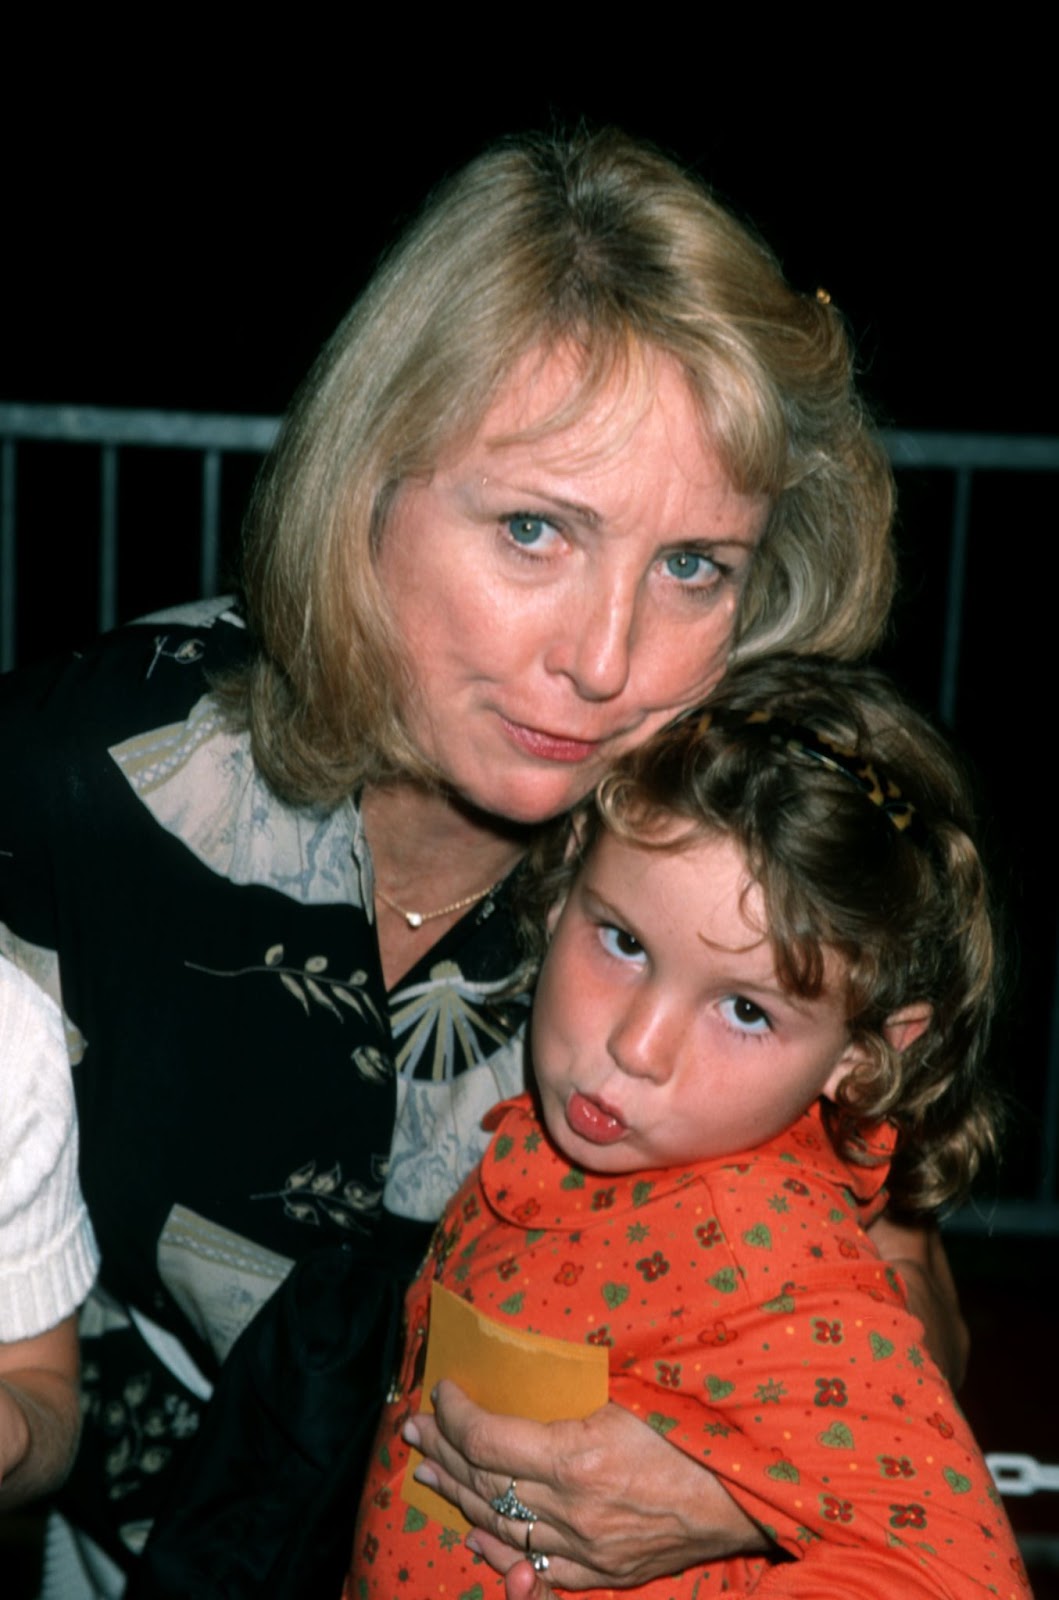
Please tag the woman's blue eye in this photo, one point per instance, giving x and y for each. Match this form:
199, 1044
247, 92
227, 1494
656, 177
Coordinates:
528, 530
617, 942
745, 1015
691, 566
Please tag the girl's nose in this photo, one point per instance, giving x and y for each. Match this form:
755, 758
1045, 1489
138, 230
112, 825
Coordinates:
646, 1038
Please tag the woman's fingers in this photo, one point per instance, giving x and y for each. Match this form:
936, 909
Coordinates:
478, 1511
475, 1455
561, 1573
523, 1583
615, 1503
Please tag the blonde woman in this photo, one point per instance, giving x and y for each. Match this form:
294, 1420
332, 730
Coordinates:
576, 446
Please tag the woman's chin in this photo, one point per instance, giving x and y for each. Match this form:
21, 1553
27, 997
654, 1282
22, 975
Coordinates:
539, 796
524, 806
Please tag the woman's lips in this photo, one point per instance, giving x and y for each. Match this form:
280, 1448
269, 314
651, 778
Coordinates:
550, 746
593, 1120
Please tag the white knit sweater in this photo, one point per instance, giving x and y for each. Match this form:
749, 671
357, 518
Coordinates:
48, 1254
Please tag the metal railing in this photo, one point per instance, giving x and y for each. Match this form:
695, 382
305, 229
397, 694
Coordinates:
965, 457
212, 436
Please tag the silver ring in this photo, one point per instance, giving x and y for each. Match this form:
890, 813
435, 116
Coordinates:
509, 1505
538, 1561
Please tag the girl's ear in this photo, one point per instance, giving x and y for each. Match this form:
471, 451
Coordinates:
904, 1027
853, 1055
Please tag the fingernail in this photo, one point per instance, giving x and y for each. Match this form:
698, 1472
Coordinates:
411, 1435
434, 1396
472, 1544
425, 1474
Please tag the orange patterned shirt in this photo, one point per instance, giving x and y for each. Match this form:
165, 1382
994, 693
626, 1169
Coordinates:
750, 1320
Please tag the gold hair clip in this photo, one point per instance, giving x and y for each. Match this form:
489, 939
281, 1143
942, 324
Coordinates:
874, 784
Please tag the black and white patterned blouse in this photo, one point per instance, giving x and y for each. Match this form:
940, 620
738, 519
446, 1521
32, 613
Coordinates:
246, 1087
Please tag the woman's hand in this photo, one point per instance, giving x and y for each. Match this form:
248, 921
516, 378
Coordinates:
522, 1583
919, 1256
615, 1504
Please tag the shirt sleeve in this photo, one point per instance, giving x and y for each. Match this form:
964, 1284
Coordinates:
48, 1253
803, 1383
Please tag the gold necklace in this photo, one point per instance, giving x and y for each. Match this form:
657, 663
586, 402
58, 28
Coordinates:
416, 919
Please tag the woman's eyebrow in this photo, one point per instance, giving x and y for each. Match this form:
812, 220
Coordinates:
474, 483
573, 508
594, 519
589, 517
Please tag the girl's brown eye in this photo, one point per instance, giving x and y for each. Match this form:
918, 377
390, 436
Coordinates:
745, 1015
621, 944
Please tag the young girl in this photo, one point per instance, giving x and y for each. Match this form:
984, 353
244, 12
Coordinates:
761, 1018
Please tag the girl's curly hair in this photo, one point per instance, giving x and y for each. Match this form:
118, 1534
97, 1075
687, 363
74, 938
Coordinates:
896, 887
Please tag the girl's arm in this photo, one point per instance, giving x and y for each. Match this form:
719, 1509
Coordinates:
39, 1412
593, 1483
860, 1460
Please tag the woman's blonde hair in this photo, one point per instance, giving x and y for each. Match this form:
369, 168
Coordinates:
856, 822
600, 246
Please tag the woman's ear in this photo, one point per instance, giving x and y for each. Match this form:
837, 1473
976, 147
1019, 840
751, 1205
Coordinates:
904, 1027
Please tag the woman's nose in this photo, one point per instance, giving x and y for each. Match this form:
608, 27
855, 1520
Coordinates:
644, 1041
595, 647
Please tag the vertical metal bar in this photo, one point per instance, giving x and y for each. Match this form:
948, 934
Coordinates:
8, 577
950, 655
108, 539
1046, 1187
209, 551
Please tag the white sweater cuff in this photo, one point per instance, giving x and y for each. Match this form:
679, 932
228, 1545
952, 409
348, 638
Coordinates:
48, 1254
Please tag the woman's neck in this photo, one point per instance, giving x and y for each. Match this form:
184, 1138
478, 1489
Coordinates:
432, 858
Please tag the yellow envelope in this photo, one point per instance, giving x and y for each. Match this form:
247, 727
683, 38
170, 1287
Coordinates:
505, 1370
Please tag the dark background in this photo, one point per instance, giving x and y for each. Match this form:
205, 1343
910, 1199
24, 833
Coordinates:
184, 235
186, 216
188, 239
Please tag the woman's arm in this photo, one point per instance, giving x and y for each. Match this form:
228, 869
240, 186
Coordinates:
39, 1412
868, 1396
857, 1455
919, 1256
620, 1503
47, 1251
